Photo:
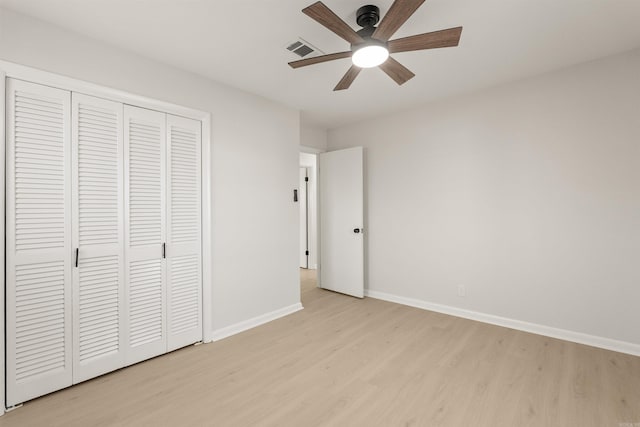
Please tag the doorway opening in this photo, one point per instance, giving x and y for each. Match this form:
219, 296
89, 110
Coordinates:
308, 203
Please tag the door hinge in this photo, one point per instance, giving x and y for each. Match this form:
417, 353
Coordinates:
164, 250
306, 178
306, 253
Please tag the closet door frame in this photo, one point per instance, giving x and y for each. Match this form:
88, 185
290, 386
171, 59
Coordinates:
21, 72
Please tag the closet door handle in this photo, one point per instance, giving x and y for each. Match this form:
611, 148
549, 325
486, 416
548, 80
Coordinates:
164, 250
77, 256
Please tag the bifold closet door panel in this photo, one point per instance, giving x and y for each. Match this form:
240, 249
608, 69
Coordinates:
38, 241
184, 269
98, 236
145, 233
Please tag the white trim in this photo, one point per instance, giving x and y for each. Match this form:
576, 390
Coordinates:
2, 234
206, 199
256, 321
21, 72
563, 334
311, 150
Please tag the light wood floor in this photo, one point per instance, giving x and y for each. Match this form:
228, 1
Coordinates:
308, 281
348, 362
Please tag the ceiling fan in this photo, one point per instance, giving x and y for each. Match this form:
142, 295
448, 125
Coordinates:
370, 46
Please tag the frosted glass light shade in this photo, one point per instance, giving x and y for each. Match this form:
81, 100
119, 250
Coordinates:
370, 56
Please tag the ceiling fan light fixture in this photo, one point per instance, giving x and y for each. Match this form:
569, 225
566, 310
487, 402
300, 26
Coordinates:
370, 46
370, 55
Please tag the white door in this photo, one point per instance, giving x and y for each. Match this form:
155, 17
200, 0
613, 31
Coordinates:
145, 228
183, 250
98, 237
304, 217
38, 241
342, 221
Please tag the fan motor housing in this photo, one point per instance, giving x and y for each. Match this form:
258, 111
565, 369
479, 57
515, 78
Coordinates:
368, 16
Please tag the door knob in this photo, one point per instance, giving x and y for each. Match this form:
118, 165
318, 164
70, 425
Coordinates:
356, 230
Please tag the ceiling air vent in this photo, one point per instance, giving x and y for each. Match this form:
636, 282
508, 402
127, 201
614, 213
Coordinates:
303, 49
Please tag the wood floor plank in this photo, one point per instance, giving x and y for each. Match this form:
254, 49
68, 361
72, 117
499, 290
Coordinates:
343, 361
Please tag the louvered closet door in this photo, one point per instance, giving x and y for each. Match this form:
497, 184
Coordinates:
98, 236
38, 241
145, 152
184, 269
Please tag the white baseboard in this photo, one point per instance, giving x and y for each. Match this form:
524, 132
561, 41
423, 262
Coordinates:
563, 334
227, 331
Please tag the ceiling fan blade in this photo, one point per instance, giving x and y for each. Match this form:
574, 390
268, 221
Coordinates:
398, 72
397, 15
318, 59
433, 40
348, 78
322, 14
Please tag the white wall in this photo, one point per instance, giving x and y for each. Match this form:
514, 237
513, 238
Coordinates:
528, 194
313, 137
255, 146
310, 161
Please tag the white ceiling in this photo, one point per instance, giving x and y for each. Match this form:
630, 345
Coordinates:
242, 43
